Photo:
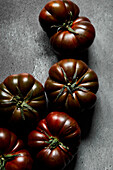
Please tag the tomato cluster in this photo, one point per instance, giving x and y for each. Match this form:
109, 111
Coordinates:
69, 33
37, 135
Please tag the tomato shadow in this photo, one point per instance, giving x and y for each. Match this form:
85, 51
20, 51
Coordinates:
72, 164
83, 55
85, 122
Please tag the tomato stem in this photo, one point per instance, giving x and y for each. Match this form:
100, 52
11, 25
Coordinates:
21, 102
71, 86
54, 142
66, 25
71, 30
5, 158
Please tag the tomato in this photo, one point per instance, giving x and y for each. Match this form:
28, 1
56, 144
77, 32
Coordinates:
57, 12
55, 141
73, 38
13, 156
22, 100
71, 86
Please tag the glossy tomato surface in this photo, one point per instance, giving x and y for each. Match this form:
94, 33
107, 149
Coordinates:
55, 141
56, 13
13, 156
22, 99
71, 86
74, 38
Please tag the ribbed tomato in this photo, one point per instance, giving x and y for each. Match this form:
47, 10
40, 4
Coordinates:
22, 100
73, 38
71, 86
13, 156
57, 12
55, 141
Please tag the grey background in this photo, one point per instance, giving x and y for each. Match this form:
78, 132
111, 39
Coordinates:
24, 47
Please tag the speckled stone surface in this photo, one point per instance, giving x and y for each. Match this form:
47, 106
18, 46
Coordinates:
24, 47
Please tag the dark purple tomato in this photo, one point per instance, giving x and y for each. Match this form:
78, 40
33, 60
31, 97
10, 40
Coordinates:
73, 38
22, 100
55, 141
71, 86
13, 156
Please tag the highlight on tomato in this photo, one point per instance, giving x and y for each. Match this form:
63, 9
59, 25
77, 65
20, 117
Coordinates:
55, 141
71, 86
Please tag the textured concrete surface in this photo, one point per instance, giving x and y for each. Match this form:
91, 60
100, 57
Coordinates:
24, 47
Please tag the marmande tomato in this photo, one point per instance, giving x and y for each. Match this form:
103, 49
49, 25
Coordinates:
71, 86
55, 141
22, 100
57, 12
13, 156
73, 38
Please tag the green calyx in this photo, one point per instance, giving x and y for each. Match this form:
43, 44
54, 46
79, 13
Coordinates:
66, 25
21, 102
71, 86
54, 142
5, 158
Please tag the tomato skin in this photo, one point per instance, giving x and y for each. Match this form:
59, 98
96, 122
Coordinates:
10, 145
56, 125
67, 43
22, 100
55, 13
82, 96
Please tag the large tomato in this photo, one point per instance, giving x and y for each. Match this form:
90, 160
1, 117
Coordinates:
22, 100
71, 86
57, 12
73, 38
13, 156
55, 141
